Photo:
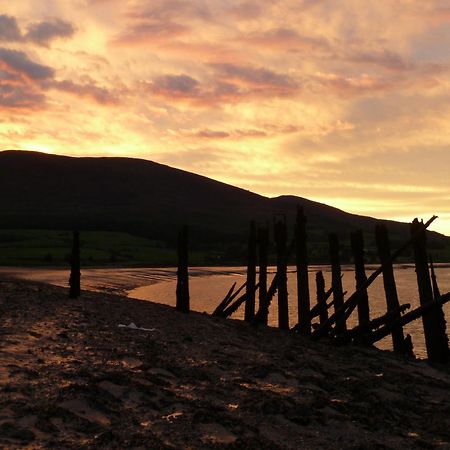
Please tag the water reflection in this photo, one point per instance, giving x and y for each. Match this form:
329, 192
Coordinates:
209, 289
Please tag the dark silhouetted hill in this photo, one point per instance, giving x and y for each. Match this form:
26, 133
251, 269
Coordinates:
41, 191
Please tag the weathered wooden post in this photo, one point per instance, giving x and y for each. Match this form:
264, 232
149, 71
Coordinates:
351, 303
321, 297
280, 235
433, 320
75, 274
336, 282
263, 245
390, 288
182, 272
357, 242
304, 306
251, 275
436, 291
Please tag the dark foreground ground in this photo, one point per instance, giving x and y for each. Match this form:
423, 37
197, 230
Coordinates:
71, 378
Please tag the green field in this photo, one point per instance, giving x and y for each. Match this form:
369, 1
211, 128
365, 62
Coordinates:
52, 248
104, 248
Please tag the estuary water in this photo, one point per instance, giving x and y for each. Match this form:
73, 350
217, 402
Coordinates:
209, 285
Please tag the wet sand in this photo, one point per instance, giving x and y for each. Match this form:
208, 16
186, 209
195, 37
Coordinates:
70, 377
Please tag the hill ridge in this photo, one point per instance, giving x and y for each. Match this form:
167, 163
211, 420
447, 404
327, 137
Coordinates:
153, 200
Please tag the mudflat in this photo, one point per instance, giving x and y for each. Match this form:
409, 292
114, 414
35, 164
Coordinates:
106, 371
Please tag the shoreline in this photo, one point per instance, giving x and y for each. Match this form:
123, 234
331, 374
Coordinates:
71, 378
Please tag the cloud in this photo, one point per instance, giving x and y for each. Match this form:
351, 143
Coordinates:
9, 30
246, 11
285, 38
256, 77
20, 97
348, 85
229, 83
182, 85
262, 131
90, 90
159, 21
19, 62
21, 80
212, 134
43, 32
167, 10
148, 32
384, 57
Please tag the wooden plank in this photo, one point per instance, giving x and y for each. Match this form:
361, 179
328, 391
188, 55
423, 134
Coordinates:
263, 247
338, 294
225, 302
251, 275
321, 297
433, 319
351, 303
390, 288
409, 317
303, 305
357, 243
436, 291
280, 235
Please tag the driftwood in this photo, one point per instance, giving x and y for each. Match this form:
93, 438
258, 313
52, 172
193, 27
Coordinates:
357, 244
351, 303
407, 318
436, 292
261, 315
280, 237
303, 305
225, 302
316, 309
338, 295
235, 306
358, 333
251, 275
390, 287
321, 308
263, 245
434, 325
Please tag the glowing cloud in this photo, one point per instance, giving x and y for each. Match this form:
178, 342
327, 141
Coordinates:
345, 102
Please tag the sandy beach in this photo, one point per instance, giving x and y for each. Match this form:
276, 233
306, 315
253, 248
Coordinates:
71, 377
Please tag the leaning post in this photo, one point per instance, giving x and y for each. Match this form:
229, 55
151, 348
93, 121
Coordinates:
434, 325
75, 274
280, 236
336, 282
251, 275
304, 306
390, 288
436, 291
357, 242
263, 245
183, 272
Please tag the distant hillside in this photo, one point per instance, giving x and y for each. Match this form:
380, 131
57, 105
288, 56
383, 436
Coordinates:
40, 191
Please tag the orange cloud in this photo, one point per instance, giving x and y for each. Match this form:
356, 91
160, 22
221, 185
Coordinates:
285, 38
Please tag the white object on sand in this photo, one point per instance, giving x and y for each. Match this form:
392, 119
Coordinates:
133, 326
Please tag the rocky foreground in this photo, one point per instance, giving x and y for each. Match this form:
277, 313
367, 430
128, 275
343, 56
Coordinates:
70, 377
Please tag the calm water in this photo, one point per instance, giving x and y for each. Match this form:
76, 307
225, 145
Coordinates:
208, 286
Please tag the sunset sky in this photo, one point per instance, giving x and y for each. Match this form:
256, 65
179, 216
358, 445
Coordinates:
344, 102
